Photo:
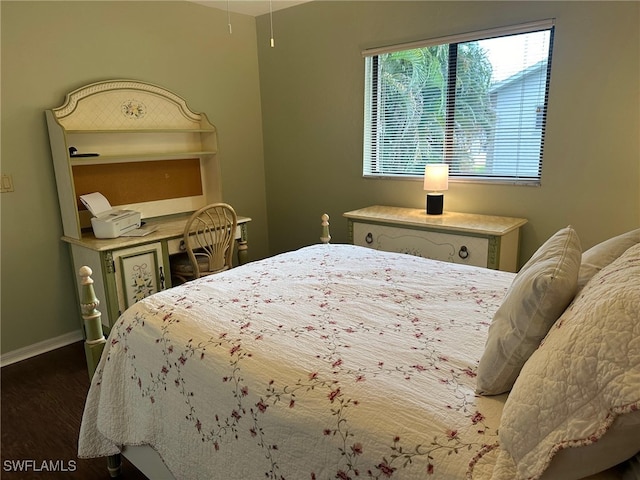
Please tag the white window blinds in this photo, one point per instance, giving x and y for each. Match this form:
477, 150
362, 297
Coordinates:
475, 101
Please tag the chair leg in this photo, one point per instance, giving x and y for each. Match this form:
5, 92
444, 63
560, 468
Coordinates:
178, 279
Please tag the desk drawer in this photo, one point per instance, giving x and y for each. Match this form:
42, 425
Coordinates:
448, 247
176, 245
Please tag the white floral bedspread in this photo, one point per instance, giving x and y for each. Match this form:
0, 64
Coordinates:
330, 362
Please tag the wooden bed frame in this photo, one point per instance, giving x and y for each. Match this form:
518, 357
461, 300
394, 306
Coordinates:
143, 457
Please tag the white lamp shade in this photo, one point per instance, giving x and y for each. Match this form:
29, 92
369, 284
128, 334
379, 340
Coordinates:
436, 177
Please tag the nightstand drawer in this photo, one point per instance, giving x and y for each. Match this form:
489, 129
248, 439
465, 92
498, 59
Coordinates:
447, 247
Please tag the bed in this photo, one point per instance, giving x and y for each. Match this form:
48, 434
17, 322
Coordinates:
342, 362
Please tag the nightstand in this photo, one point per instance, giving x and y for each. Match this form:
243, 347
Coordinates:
465, 238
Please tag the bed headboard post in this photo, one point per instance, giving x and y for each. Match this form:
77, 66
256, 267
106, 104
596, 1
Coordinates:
325, 237
95, 341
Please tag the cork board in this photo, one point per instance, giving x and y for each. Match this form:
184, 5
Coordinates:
139, 182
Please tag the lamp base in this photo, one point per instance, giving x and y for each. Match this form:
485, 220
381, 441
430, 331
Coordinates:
435, 203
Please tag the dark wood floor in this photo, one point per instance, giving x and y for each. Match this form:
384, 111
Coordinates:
42, 402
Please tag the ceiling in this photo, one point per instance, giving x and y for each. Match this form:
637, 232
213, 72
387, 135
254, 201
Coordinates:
250, 7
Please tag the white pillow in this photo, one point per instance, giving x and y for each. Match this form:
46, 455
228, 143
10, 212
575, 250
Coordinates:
584, 376
602, 254
620, 443
598, 460
537, 297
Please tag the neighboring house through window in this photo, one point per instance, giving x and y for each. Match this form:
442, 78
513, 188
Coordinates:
476, 101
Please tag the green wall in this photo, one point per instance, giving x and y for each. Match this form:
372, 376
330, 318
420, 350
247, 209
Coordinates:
305, 97
50, 48
312, 105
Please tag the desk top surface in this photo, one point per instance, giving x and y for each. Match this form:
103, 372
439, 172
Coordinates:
166, 228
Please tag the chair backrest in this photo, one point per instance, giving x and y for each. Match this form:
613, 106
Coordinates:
209, 237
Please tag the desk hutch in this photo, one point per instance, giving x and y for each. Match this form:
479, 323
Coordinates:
143, 148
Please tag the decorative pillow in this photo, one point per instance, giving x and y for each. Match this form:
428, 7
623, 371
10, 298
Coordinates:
602, 254
537, 297
584, 376
620, 443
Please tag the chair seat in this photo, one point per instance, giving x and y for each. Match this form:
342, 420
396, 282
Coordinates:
181, 266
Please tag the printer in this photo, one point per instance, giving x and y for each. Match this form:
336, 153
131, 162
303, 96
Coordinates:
108, 222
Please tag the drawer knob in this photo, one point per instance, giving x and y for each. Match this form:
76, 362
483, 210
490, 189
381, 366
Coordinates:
182, 246
463, 253
369, 238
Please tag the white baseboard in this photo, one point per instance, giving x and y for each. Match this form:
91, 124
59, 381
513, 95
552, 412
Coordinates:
40, 347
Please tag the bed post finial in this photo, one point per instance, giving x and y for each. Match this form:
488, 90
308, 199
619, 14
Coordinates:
325, 237
94, 338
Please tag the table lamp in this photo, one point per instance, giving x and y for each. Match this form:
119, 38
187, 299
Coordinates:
436, 180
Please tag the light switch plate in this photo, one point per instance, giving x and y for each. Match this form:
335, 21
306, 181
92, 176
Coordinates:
6, 183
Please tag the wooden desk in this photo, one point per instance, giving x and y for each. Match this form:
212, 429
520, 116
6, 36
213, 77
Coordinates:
127, 269
144, 149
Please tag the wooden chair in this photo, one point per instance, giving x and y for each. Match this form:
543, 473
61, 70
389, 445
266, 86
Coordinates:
208, 239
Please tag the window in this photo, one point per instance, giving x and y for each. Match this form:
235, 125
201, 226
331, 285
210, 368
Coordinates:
476, 101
